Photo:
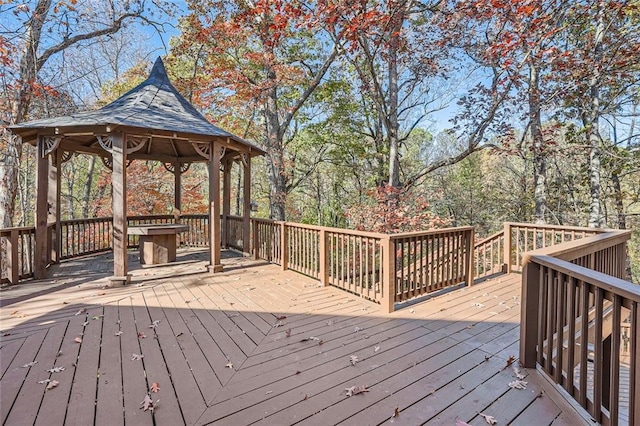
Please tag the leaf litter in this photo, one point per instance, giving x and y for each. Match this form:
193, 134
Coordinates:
489, 419
518, 384
52, 384
355, 390
353, 359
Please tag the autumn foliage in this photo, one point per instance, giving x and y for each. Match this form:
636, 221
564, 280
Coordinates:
393, 210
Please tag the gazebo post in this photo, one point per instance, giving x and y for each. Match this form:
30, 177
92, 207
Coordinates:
246, 215
214, 208
54, 205
119, 198
177, 186
41, 258
226, 202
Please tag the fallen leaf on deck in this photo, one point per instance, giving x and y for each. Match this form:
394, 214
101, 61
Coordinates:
52, 384
281, 317
78, 340
489, 419
518, 373
155, 387
305, 397
518, 384
154, 324
83, 310
141, 335
511, 360
278, 324
493, 313
229, 365
287, 333
119, 333
97, 317
356, 329
354, 390
502, 303
55, 370
147, 403
42, 382
136, 357
31, 364
179, 334
477, 305
461, 423
268, 392
86, 323
485, 294
411, 311
376, 349
396, 412
187, 301
306, 339
353, 359
329, 322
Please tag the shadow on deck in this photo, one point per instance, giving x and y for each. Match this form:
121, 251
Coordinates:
256, 345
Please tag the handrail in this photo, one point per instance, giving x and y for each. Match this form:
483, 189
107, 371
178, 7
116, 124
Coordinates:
574, 302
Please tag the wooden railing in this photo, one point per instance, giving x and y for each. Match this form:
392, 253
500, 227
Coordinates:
387, 269
17, 248
504, 250
488, 256
433, 260
80, 237
581, 320
234, 232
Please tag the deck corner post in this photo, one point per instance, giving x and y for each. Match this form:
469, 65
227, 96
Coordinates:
388, 274
323, 273
256, 240
529, 305
507, 248
13, 262
284, 245
469, 256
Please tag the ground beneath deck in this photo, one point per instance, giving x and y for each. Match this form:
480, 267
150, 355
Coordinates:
258, 345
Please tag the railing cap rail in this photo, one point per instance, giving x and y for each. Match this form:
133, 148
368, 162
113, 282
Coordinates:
429, 232
555, 227
489, 238
7, 231
626, 289
575, 249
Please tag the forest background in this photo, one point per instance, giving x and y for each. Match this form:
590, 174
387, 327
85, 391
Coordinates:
386, 116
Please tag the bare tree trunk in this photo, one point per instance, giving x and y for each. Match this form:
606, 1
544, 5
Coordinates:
392, 119
592, 133
87, 187
10, 158
539, 154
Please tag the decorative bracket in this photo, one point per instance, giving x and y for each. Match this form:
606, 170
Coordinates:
108, 162
66, 156
134, 143
50, 144
223, 150
245, 162
170, 167
202, 148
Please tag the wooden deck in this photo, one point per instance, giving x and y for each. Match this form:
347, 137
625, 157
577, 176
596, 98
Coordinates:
256, 345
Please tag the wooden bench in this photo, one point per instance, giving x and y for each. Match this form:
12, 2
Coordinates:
157, 242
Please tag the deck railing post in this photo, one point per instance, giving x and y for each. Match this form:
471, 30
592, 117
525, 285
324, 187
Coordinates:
469, 256
507, 248
284, 246
13, 260
256, 240
388, 274
529, 313
323, 272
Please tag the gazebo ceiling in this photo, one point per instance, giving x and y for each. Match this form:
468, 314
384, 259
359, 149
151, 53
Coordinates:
159, 122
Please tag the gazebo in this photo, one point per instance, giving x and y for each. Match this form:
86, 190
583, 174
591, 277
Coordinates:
150, 122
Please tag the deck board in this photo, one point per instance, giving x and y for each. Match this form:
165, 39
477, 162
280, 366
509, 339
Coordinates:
435, 361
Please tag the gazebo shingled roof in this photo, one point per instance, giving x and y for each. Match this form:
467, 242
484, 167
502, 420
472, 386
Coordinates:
153, 109
153, 121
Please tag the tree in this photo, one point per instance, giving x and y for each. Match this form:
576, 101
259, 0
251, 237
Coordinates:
38, 31
266, 56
